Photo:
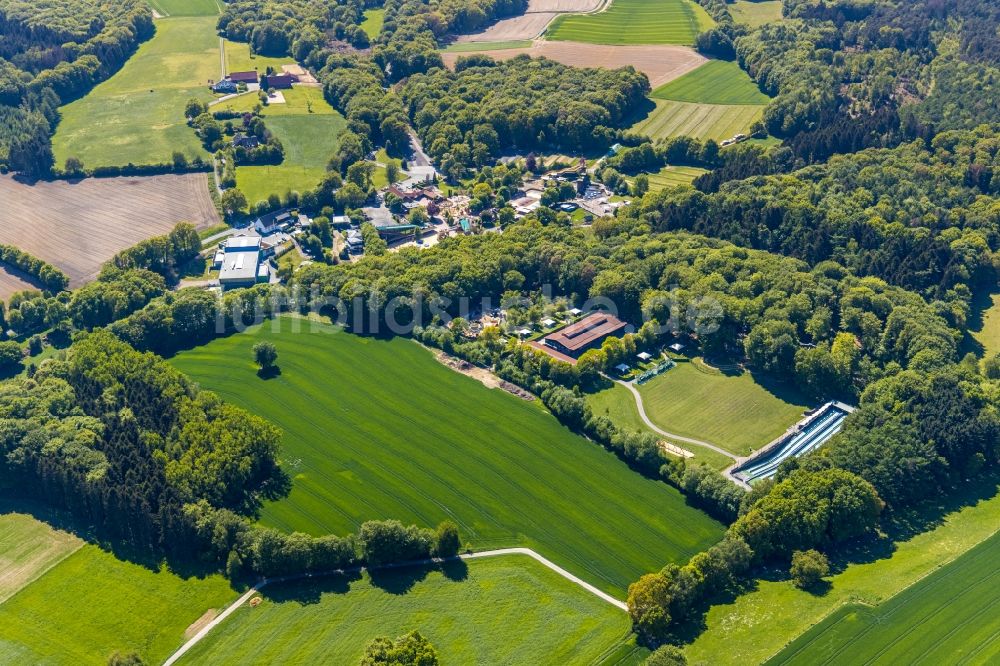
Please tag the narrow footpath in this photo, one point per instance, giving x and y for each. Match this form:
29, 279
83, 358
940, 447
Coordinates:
249, 594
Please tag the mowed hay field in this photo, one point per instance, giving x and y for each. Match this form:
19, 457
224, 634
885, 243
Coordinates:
29, 548
672, 176
92, 604
377, 429
755, 14
502, 610
737, 412
635, 22
185, 7
308, 128
949, 617
77, 226
531, 23
137, 116
715, 82
662, 63
701, 121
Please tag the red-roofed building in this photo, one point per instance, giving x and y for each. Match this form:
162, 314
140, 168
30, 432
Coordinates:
588, 333
243, 77
279, 81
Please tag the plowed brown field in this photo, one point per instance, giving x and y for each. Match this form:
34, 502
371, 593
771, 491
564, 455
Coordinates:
530, 24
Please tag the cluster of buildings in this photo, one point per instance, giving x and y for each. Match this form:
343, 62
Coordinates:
253, 81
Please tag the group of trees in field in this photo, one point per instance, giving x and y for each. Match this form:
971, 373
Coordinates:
292, 27
52, 53
160, 254
411, 649
219, 132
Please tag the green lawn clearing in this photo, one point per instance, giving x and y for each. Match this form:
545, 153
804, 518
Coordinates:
29, 548
715, 82
372, 25
701, 121
503, 610
739, 412
763, 621
377, 429
635, 22
308, 128
755, 14
672, 176
184, 7
92, 604
948, 617
468, 47
137, 116
239, 59
987, 329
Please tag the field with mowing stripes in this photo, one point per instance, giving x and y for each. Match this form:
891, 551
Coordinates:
671, 176
737, 412
184, 7
91, 604
379, 429
503, 610
715, 82
950, 617
635, 22
701, 121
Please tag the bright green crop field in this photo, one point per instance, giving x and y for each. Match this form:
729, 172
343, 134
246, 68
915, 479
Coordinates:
701, 121
949, 617
635, 22
377, 429
92, 604
737, 412
501, 610
137, 116
715, 82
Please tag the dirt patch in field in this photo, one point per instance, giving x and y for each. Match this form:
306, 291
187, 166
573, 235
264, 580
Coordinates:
533, 22
482, 375
200, 623
78, 225
661, 64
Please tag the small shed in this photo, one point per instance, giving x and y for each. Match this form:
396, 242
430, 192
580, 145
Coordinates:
676, 347
644, 356
548, 323
576, 312
524, 332
622, 368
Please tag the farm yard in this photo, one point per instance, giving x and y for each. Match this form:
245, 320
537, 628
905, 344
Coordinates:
532, 23
47, 219
90, 604
137, 116
437, 458
307, 127
635, 22
701, 121
502, 610
755, 14
661, 63
737, 411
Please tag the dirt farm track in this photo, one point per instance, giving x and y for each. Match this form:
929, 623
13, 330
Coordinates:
79, 225
661, 64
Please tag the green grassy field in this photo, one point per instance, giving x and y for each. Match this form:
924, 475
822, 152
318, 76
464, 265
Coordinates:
672, 176
948, 617
184, 7
755, 14
715, 82
239, 59
308, 128
137, 115
766, 619
29, 548
987, 330
504, 610
372, 25
468, 47
380, 429
92, 604
701, 121
635, 22
736, 412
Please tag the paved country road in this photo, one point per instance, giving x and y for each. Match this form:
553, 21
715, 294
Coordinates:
246, 596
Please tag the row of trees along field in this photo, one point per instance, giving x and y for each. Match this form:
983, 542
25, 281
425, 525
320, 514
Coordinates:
50, 54
130, 446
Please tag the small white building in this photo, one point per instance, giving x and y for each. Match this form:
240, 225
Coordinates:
644, 356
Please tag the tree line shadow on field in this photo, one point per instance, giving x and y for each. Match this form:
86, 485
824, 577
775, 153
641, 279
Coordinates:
897, 526
395, 580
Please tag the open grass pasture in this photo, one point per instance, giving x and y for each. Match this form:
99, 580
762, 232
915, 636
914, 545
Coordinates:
672, 176
755, 14
948, 617
372, 25
715, 82
137, 116
764, 620
239, 59
738, 412
984, 327
504, 610
635, 22
48, 219
701, 121
377, 429
185, 7
91, 604
308, 128
29, 548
